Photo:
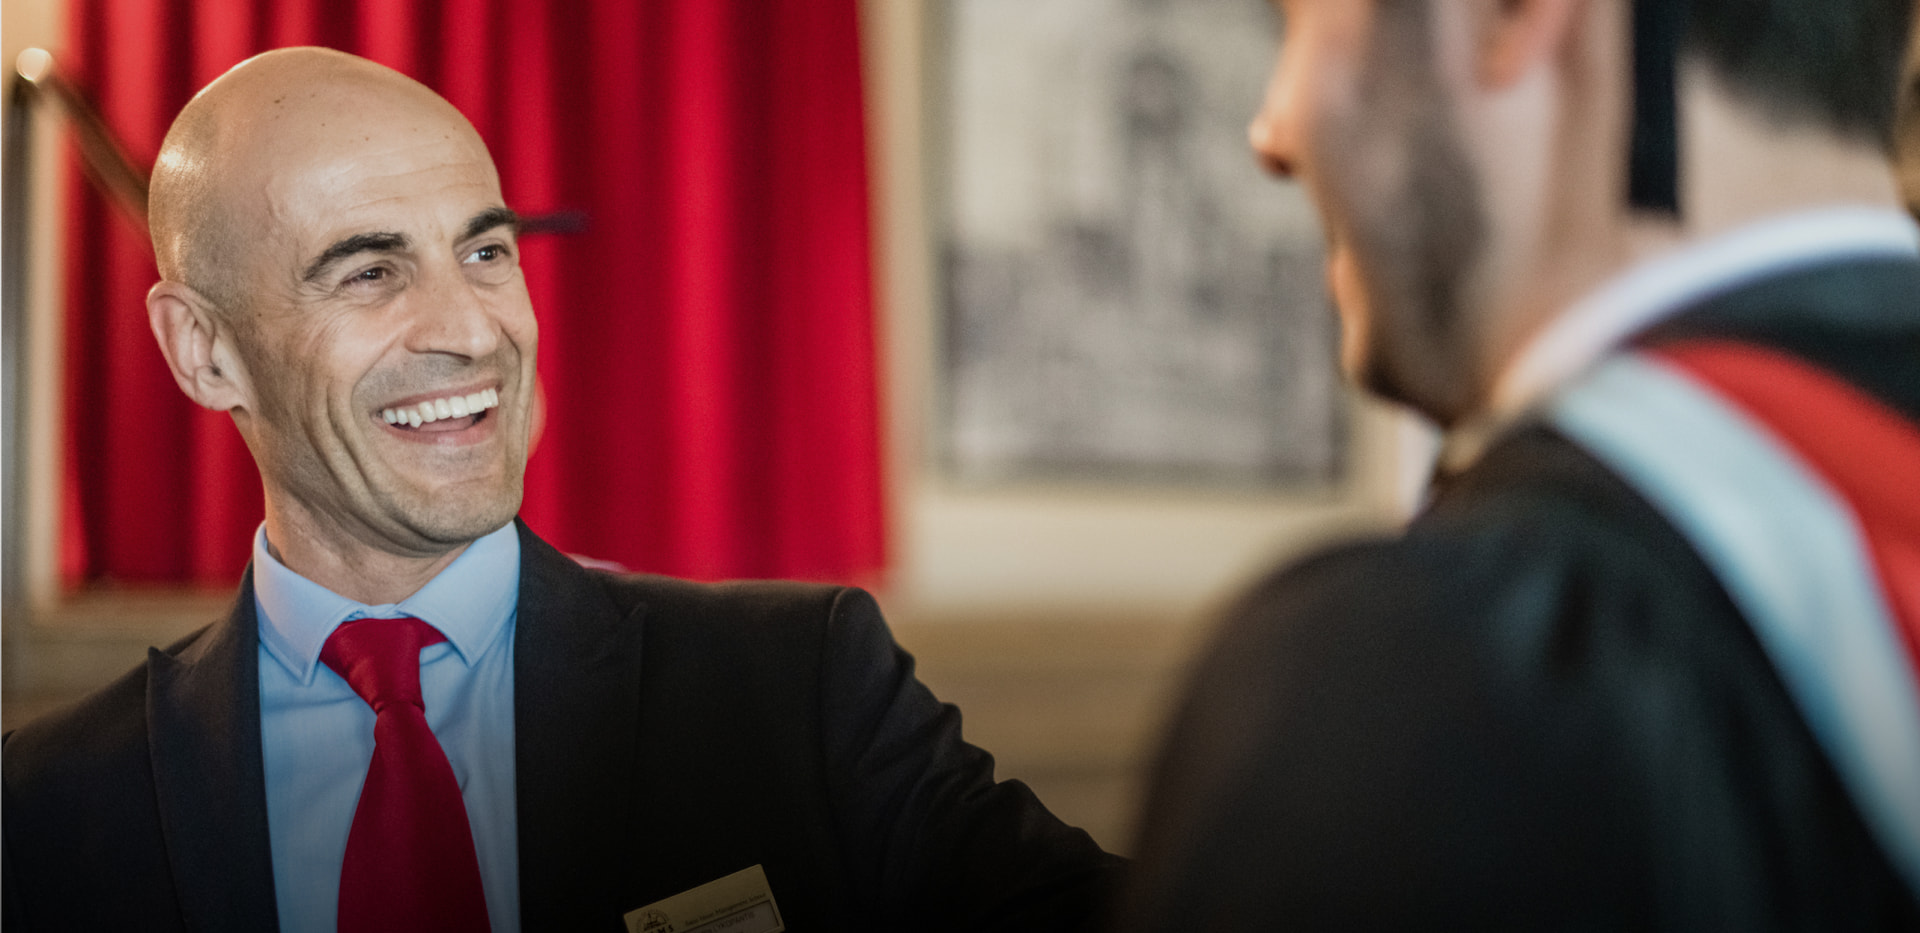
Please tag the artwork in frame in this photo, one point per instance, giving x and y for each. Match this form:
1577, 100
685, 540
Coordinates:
1126, 297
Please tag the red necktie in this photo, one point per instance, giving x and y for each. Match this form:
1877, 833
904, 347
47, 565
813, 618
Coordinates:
410, 864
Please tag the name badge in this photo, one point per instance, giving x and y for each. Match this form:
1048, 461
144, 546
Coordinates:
739, 903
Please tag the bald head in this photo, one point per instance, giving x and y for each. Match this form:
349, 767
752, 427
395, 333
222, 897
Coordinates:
263, 125
340, 273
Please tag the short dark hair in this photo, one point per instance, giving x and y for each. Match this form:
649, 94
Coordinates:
1836, 62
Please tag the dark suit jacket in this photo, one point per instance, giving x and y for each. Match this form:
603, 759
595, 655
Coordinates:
669, 733
1538, 709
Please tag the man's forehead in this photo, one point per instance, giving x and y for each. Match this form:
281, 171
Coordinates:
376, 165
329, 124
425, 181
312, 95
352, 128
422, 222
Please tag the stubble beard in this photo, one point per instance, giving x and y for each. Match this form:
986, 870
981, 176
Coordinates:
1422, 238
451, 515
456, 517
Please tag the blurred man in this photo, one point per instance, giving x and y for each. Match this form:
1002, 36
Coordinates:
1648, 659
419, 716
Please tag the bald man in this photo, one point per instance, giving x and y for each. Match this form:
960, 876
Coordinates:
418, 715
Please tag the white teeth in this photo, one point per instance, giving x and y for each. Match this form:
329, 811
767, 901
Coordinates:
453, 406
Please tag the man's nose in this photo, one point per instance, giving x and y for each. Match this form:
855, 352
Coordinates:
451, 316
1265, 139
1271, 134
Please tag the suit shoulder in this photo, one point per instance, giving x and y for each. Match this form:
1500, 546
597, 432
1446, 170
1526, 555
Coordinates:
663, 599
742, 602
102, 732
774, 622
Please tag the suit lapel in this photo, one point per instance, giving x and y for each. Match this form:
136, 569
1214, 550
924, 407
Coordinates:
203, 715
576, 693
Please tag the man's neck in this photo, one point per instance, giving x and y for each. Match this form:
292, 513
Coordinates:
1740, 167
1743, 166
327, 555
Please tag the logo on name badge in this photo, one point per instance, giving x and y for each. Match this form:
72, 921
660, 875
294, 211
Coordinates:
739, 903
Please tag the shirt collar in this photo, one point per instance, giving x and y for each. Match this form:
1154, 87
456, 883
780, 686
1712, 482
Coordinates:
1650, 291
470, 602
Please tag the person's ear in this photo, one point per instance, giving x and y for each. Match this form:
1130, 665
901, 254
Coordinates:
1518, 36
198, 346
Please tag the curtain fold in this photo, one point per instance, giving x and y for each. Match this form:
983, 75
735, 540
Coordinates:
708, 364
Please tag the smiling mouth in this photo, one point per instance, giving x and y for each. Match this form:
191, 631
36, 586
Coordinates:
458, 411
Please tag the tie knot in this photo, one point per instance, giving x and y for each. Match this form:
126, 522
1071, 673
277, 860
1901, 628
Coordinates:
380, 658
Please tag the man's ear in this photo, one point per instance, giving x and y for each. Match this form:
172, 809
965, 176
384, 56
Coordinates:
1518, 36
198, 346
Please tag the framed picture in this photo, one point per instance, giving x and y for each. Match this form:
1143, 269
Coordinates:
1126, 297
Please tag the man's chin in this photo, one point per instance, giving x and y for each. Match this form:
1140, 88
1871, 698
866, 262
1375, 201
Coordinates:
456, 517
1378, 379
1363, 364
1372, 371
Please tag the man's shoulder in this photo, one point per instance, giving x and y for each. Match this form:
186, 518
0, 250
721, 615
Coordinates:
745, 600
102, 731
1857, 320
1537, 531
69, 750
1539, 599
546, 568
1540, 652
1447, 708
739, 620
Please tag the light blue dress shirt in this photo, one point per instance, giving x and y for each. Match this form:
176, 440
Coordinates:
317, 734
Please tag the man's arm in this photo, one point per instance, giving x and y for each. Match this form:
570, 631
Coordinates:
938, 843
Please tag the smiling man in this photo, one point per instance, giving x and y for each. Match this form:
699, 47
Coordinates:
321, 275
418, 715
1648, 660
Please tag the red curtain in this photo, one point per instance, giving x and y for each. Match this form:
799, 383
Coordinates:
707, 338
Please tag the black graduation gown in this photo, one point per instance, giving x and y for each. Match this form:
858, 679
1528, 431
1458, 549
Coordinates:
1537, 709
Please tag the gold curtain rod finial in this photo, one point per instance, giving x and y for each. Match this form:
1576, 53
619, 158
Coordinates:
34, 64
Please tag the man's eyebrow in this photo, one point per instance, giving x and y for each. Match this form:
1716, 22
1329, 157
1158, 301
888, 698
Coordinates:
358, 243
488, 219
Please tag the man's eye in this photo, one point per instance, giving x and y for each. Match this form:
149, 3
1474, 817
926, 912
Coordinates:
375, 274
488, 254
